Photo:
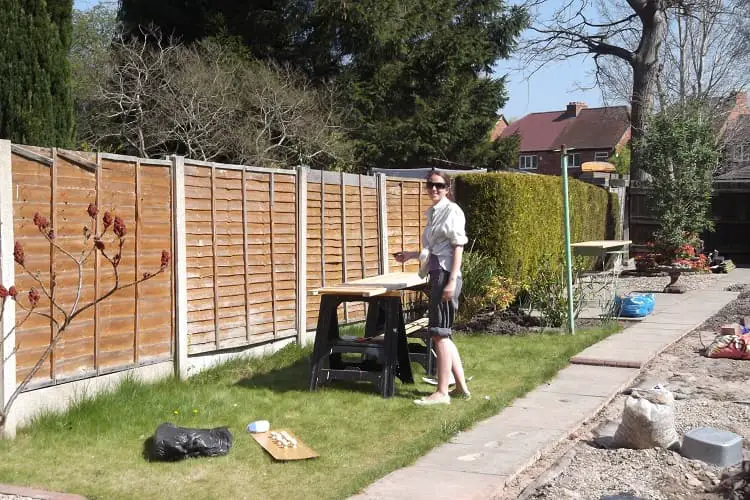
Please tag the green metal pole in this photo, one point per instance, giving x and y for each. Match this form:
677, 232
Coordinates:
566, 218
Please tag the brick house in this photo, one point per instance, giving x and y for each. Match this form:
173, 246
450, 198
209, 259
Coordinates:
734, 132
594, 133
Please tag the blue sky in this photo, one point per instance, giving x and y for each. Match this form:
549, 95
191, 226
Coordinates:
549, 89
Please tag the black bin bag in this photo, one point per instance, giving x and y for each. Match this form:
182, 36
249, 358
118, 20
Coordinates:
175, 443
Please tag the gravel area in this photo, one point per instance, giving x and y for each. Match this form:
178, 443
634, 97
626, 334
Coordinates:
657, 282
708, 392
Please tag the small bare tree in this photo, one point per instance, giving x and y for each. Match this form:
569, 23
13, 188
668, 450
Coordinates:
109, 243
210, 101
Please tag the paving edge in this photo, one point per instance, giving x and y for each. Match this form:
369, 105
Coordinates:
497, 493
21, 491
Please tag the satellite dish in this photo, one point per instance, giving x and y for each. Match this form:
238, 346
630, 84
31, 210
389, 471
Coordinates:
598, 166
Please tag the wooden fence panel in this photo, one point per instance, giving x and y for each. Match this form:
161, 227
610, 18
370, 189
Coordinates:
60, 185
407, 203
241, 235
342, 236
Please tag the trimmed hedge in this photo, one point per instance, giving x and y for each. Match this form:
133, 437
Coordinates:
517, 218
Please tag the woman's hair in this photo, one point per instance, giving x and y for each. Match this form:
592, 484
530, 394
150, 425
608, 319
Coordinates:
434, 171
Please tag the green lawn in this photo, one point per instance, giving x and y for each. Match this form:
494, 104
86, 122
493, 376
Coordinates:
95, 449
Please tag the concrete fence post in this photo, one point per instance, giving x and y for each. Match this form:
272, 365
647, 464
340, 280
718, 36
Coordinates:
7, 278
301, 253
383, 221
180, 267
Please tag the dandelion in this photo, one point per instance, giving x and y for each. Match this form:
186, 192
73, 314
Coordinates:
18, 254
92, 210
195, 411
176, 412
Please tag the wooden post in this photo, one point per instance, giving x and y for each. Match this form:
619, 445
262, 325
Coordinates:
403, 239
97, 264
345, 269
322, 230
137, 236
362, 229
302, 252
245, 259
272, 189
179, 264
7, 278
52, 252
383, 221
214, 259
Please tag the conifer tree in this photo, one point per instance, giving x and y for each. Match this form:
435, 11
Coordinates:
36, 106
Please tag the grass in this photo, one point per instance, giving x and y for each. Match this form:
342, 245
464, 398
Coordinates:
95, 448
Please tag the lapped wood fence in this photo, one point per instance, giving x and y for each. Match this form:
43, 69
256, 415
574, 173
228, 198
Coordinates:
249, 245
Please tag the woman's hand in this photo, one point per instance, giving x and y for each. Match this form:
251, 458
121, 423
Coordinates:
404, 256
449, 291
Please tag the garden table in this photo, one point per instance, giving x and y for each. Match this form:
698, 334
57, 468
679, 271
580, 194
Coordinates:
383, 293
602, 285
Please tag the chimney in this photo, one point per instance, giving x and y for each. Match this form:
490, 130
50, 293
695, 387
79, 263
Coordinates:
574, 108
497, 131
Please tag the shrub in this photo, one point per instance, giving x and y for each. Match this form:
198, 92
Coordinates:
516, 219
547, 291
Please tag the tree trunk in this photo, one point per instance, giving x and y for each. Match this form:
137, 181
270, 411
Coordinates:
645, 64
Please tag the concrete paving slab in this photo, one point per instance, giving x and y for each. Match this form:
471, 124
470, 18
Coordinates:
497, 457
418, 482
586, 380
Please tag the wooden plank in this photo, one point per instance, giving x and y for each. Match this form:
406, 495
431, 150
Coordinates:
382, 224
97, 267
244, 252
215, 264
53, 202
322, 240
343, 242
135, 263
272, 188
301, 320
401, 197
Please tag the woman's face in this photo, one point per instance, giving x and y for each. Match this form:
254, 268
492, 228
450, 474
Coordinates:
437, 188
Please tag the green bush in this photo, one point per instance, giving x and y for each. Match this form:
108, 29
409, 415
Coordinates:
477, 270
517, 218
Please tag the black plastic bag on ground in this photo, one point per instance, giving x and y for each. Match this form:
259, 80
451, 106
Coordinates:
175, 443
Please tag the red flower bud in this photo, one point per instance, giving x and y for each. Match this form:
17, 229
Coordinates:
3, 292
147, 276
12, 292
33, 297
164, 258
116, 260
40, 221
18, 254
51, 234
92, 210
99, 244
119, 229
107, 219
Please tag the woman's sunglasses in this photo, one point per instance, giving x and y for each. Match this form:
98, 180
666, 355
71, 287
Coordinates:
438, 185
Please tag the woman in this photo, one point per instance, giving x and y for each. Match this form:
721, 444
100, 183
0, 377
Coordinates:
443, 243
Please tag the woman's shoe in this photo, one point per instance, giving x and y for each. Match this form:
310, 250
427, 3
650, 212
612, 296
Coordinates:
464, 396
443, 400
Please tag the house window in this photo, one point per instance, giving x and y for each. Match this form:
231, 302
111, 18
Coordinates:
574, 160
601, 156
741, 152
527, 162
